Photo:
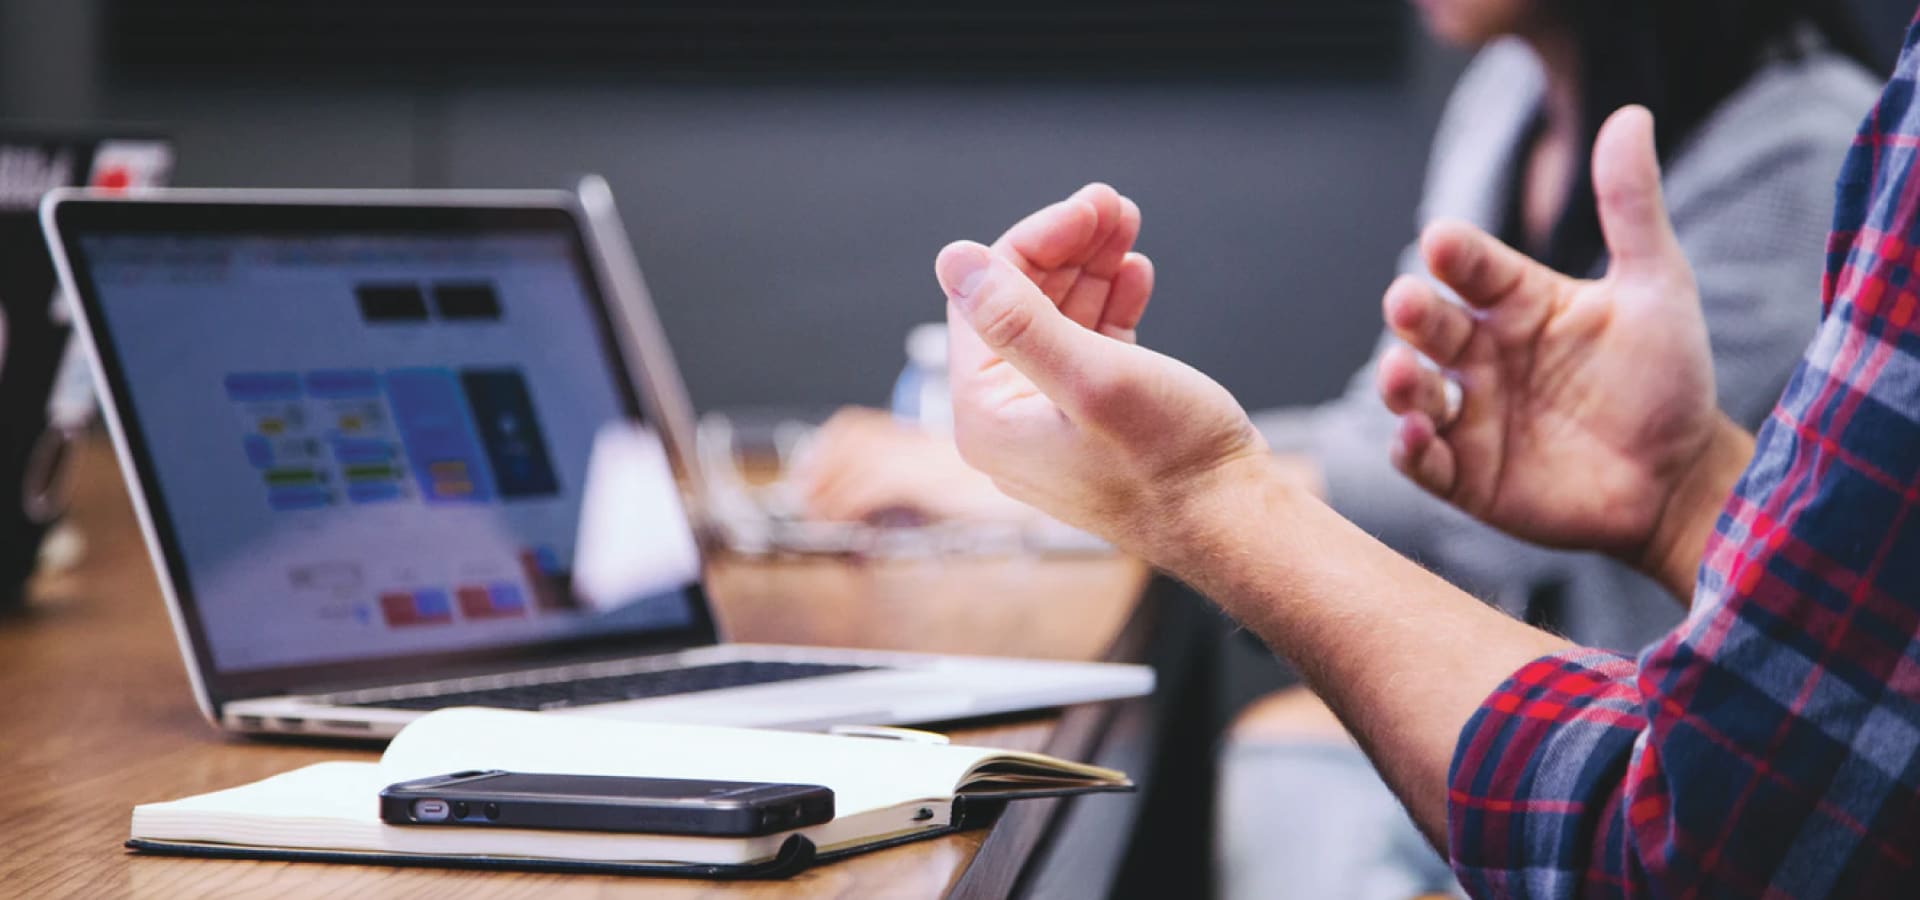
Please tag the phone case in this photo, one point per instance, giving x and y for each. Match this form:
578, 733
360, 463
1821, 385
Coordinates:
599, 803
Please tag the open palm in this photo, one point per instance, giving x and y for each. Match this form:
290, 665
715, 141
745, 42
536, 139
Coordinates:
1582, 403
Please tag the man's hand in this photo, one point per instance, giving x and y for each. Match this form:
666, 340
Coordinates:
1585, 415
1067, 414
1079, 252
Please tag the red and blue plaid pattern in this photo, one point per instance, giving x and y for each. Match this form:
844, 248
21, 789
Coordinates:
1769, 746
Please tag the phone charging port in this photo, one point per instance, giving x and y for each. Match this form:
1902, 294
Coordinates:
430, 810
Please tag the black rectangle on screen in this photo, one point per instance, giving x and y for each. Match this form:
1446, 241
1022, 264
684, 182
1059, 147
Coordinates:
457, 301
391, 303
510, 429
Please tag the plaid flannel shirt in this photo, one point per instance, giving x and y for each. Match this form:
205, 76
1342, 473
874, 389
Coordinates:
1770, 745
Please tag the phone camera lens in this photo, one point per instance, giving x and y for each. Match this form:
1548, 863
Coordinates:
491, 811
460, 809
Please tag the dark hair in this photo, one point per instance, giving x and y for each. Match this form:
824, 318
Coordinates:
1681, 59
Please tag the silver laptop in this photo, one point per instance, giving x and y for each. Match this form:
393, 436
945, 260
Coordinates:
393, 452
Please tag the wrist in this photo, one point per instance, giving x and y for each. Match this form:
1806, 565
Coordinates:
1673, 552
1211, 512
1303, 471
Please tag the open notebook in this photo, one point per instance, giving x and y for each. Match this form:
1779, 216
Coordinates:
885, 792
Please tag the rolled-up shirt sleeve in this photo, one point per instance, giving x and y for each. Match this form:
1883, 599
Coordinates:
1539, 780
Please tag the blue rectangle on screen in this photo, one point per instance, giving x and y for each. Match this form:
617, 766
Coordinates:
259, 451
342, 384
354, 451
503, 596
432, 603
442, 450
262, 387
548, 560
373, 491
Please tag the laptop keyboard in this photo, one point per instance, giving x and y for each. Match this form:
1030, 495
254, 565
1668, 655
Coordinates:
615, 688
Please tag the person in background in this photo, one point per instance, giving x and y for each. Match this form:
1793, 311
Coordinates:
1755, 100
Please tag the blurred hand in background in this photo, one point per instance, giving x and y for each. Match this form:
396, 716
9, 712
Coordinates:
864, 466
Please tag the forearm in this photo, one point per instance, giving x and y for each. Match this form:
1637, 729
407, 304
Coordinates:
1672, 556
1401, 656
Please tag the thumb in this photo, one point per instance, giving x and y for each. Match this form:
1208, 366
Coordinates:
1626, 189
1009, 318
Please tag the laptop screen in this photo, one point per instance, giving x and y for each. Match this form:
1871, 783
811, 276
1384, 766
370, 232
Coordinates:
387, 444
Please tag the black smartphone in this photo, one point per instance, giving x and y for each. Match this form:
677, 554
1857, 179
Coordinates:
497, 799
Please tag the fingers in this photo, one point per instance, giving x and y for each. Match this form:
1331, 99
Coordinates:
1127, 301
833, 458
1086, 299
1426, 401
835, 501
1486, 273
1408, 385
1422, 455
858, 501
1078, 252
1008, 318
1059, 234
1626, 187
1428, 322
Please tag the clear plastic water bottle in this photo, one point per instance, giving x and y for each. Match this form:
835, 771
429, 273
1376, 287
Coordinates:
921, 395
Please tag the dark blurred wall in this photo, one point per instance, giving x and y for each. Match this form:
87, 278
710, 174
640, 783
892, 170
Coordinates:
788, 232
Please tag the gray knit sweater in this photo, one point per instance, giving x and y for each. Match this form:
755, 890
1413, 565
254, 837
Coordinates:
1751, 196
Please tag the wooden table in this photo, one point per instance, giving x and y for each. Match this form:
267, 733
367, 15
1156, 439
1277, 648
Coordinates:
98, 717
